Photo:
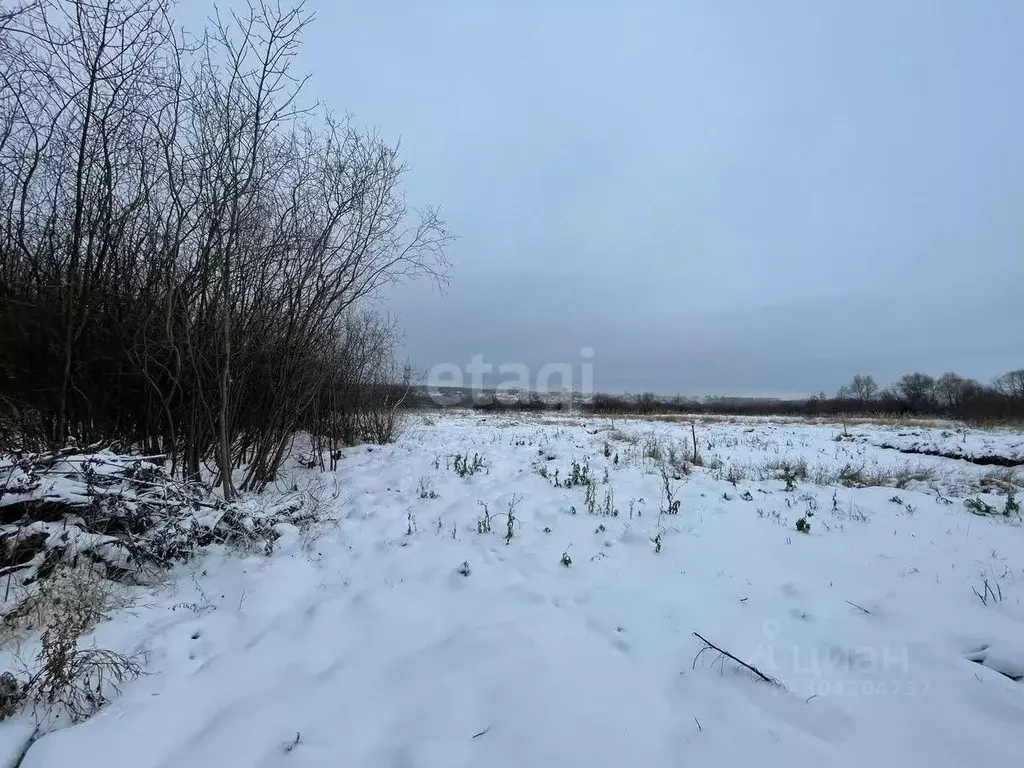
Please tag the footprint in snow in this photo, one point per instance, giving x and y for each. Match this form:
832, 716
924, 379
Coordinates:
790, 589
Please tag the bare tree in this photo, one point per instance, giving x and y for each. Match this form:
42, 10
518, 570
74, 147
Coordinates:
1011, 384
861, 388
952, 390
915, 390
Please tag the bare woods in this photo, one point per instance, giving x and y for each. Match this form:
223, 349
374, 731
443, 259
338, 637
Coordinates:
185, 248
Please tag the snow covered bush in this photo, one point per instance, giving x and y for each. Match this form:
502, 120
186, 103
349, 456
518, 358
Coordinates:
122, 514
64, 679
76, 525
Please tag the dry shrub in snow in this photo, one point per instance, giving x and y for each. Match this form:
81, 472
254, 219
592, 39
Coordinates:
849, 475
62, 679
782, 469
896, 477
66, 679
38, 605
623, 437
1003, 481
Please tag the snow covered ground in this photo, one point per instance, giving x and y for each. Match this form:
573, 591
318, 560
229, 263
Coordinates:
960, 441
404, 636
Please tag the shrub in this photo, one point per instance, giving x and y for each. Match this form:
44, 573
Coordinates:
1012, 507
579, 475
64, 679
77, 681
670, 504
124, 513
464, 467
979, 507
734, 475
652, 448
623, 437
483, 524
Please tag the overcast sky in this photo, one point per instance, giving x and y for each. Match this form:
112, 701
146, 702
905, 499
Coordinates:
734, 197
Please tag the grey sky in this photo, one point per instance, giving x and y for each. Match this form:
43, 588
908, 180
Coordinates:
717, 197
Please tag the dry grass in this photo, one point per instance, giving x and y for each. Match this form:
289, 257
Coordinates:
713, 463
781, 469
892, 477
672, 455
851, 476
551, 418
40, 604
885, 419
623, 437
734, 475
1004, 481
677, 458
684, 418
652, 448
63, 679
73, 681
904, 476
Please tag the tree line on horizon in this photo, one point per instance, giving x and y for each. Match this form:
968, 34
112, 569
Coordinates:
949, 395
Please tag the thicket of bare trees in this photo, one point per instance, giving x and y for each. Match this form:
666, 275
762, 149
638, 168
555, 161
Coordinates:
920, 393
185, 250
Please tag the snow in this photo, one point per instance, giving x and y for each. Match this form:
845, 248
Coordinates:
959, 441
13, 739
366, 646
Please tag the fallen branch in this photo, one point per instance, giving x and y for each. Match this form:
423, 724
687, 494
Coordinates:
708, 645
860, 607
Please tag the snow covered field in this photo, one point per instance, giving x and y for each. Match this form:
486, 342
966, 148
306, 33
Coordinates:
408, 636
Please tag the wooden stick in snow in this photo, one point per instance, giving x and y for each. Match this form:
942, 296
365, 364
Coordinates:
750, 667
